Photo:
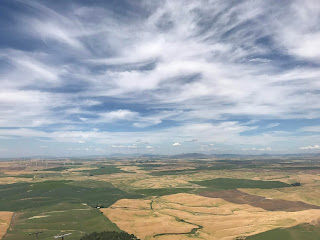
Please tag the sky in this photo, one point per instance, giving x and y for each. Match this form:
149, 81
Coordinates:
159, 77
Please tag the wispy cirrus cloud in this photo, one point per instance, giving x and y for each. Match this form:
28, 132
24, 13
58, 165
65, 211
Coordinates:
203, 72
272, 125
311, 129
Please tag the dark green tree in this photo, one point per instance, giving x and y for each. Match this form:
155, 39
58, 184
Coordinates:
109, 236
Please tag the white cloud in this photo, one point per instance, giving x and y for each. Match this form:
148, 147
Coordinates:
265, 149
261, 60
257, 149
121, 114
176, 144
300, 35
248, 149
117, 146
310, 147
132, 146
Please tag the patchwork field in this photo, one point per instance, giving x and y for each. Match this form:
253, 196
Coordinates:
161, 198
307, 194
185, 216
269, 204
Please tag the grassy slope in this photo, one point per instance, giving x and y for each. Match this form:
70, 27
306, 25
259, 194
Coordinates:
56, 169
230, 183
63, 217
303, 231
42, 198
163, 191
21, 196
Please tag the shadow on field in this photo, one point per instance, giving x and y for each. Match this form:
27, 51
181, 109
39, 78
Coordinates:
238, 197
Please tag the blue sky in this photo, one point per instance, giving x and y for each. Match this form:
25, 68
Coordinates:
159, 77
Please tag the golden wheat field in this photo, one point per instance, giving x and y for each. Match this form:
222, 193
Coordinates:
5, 219
174, 216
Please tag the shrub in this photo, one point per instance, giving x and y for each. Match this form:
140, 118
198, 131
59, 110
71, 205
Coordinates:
107, 235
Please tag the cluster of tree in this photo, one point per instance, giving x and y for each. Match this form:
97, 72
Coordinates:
296, 184
106, 235
99, 206
145, 161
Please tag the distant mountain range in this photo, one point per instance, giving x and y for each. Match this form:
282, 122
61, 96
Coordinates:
177, 156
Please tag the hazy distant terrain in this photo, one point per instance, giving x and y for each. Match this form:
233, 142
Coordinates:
160, 120
162, 198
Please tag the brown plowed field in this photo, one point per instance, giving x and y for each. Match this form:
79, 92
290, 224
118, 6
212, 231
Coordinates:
238, 197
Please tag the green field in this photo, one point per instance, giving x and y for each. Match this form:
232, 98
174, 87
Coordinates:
163, 191
300, 232
56, 169
21, 196
77, 219
59, 206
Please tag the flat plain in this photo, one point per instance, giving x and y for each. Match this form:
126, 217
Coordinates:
162, 198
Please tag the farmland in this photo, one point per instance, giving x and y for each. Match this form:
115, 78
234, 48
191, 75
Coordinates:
5, 219
163, 198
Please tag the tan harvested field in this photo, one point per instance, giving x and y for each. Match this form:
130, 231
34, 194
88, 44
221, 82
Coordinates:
5, 219
176, 215
16, 173
163, 182
307, 194
10, 180
142, 180
136, 216
132, 169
